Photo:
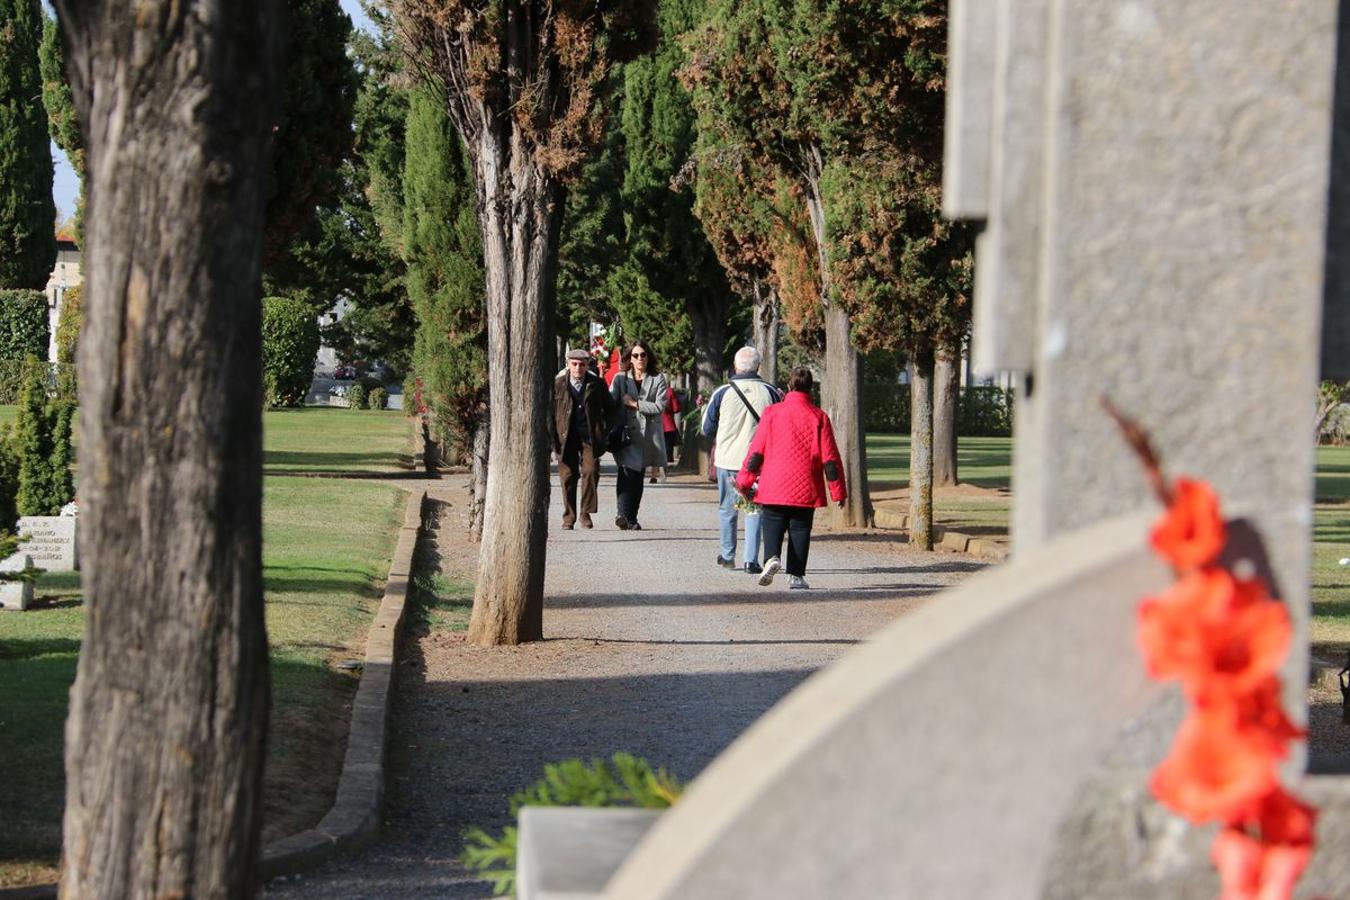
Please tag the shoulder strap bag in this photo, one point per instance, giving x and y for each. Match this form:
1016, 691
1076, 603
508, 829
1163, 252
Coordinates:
753, 414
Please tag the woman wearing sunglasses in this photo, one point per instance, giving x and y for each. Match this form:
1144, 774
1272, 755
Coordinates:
640, 392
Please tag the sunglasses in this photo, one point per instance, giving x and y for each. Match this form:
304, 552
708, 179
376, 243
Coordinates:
638, 355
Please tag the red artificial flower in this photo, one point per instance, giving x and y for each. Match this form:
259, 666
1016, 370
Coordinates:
1214, 633
1268, 866
1213, 773
1191, 533
1257, 715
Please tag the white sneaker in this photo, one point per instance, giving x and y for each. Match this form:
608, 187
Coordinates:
771, 567
797, 583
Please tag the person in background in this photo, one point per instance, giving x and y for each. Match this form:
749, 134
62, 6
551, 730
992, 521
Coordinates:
580, 423
605, 366
640, 397
792, 451
730, 419
672, 432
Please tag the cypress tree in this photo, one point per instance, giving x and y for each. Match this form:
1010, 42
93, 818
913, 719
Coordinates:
60, 106
27, 212
443, 250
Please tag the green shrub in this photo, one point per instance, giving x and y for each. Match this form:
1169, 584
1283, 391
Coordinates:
67, 342
377, 399
984, 411
41, 443
69, 325
625, 781
290, 335
23, 324
356, 396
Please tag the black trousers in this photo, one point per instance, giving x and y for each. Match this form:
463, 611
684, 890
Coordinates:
795, 522
628, 487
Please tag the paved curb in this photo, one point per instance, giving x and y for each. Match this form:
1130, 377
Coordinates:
943, 538
355, 816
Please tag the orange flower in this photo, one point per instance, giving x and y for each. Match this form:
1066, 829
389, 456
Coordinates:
1213, 772
1266, 868
1191, 533
1214, 633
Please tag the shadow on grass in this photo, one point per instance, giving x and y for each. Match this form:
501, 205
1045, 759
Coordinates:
356, 584
304, 760
436, 601
27, 648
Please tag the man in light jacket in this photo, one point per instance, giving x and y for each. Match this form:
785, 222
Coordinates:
730, 420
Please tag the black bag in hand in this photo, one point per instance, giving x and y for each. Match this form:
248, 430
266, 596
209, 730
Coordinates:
619, 437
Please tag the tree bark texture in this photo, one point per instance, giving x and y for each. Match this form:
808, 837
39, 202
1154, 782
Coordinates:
921, 452
765, 330
709, 321
168, 714
841, 392
478, 473
520, 210
946, 411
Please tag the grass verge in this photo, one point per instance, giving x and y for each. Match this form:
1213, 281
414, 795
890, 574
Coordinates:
326, 550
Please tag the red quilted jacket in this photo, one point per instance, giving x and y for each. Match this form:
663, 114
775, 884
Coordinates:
795, 442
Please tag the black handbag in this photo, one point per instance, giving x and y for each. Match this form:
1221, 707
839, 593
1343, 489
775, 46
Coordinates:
619, 437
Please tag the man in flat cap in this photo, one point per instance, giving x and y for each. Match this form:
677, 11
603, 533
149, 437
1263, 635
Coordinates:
581, 414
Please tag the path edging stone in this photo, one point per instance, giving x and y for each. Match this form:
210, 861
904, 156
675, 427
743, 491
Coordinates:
943, 538
355, 816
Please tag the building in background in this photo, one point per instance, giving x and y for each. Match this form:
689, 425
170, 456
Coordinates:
65, 275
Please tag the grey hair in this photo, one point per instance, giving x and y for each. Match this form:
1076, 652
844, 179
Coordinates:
747, 360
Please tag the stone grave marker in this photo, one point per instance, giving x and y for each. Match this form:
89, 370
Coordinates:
51, 542
17, 595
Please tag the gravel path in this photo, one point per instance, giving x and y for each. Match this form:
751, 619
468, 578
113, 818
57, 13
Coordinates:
651, 648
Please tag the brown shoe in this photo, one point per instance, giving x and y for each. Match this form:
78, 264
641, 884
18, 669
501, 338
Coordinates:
567, 524
586, 521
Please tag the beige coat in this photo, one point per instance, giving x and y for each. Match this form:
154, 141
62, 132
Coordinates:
649, 438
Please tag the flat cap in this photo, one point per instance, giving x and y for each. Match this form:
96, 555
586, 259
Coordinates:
578, 354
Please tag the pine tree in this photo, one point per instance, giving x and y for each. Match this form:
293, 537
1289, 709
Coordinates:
27, 212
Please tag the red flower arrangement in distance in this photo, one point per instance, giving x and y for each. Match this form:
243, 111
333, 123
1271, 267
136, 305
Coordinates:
1223, 638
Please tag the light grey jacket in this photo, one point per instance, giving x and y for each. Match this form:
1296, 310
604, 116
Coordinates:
649, 437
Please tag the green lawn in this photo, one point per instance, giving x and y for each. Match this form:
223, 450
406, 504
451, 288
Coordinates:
326, 548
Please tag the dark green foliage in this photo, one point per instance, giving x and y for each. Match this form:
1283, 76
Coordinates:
62, 119
27, 212
351, 249
41, 443
624, 781
591, 243
290, 336
9, 480
670, 272
314, 128
984, 411
443, 249
356, 396
377, 399
23, 324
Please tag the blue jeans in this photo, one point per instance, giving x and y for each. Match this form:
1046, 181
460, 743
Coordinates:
726, 501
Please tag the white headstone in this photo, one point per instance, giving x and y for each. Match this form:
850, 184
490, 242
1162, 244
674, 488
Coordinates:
51, 542
16, 595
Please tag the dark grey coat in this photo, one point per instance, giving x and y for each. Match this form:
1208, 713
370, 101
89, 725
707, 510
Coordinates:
649, 437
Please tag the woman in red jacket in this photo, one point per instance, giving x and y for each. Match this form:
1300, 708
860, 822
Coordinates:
793, 456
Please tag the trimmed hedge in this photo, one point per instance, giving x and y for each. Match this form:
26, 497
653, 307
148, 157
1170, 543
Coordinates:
290, 334
986, 410
23, 324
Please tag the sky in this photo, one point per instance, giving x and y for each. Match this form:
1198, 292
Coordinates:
66, 186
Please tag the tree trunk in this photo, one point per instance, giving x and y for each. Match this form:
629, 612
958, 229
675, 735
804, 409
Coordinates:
921, 452
478, 473
709, 321
766, 330
168, 715
841, 394
946, 409
520, 210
